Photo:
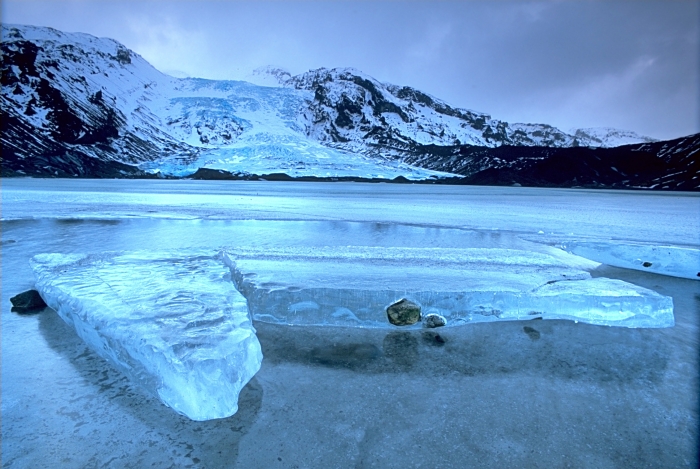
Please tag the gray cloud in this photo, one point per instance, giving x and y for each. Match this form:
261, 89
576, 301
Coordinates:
624, 64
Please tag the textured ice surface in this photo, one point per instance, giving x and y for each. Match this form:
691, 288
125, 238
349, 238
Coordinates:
666, 260
172, 321
352, 286
558, 213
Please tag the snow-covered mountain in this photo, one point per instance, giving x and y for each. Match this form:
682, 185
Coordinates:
71, 102
608, 138
354, 111
74, 104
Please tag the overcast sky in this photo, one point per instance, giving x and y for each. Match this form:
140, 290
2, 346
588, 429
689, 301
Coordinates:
631, 65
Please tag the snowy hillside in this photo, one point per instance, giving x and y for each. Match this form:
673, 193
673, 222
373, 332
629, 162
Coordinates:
354, 111
607, 137
82, 92
71, 96
76, 105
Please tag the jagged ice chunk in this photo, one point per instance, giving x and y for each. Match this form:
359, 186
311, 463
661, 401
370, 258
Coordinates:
676, 261
172, 321
352, 286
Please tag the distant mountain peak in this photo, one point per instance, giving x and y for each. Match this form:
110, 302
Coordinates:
609, 137
74, 104
269, 75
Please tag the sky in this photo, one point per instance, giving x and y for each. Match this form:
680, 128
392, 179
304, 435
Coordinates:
632, 65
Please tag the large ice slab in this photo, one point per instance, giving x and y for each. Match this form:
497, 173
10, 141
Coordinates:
675, 261
353, 285
172, 321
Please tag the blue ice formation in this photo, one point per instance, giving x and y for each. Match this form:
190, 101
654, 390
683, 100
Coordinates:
352, 286
179, 322
676, 261
171, 321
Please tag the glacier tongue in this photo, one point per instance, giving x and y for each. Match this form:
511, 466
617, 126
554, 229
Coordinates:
171, 321
353, 285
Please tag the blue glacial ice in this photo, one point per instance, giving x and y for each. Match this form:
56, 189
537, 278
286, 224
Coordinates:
353, 286
179, 322
171, 321
675, 261
248, 129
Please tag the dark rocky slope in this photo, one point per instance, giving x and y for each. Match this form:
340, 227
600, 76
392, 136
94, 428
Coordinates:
73, 105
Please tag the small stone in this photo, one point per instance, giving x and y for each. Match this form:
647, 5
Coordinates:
27, 302
403, 313
647, 264
434, 320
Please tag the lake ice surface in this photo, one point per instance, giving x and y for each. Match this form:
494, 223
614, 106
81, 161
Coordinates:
83, 216
472, 279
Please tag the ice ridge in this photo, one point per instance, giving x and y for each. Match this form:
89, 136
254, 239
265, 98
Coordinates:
675, 261
353, 286
171, 321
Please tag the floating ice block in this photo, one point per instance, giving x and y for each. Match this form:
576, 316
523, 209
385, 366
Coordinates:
172, 321
666, 260
352, 286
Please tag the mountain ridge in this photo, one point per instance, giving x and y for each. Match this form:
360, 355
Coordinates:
76, 105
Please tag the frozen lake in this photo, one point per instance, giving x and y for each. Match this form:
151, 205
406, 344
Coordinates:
512, 394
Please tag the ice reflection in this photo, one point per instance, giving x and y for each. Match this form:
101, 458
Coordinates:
95, 235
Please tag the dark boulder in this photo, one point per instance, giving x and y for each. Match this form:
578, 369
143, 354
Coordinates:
27, 302
403, 313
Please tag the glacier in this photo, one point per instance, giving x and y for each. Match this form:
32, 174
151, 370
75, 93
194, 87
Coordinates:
171, 321
247, 129
323, 123
353, 286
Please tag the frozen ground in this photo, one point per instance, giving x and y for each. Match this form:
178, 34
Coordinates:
511, 394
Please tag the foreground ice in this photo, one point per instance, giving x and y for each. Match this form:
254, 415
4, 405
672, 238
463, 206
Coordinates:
353, 285
666, 260
172, 321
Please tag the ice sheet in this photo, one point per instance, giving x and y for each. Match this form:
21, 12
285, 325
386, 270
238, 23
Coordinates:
172, 321
666, 260
555, 213
353, 285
